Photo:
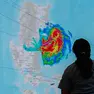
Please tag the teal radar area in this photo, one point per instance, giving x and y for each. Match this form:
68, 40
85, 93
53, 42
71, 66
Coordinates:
54, 43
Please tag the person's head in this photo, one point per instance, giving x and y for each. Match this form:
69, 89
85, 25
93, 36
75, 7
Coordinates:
81, 49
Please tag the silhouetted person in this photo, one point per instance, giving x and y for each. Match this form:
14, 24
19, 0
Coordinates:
78, 78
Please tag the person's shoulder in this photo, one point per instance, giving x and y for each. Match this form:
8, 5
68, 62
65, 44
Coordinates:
70, 68
93, 61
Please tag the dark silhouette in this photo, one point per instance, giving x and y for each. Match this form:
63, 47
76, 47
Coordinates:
81, 49
78, 77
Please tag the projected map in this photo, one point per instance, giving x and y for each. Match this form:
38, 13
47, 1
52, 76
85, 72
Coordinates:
42, 39
36, 42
